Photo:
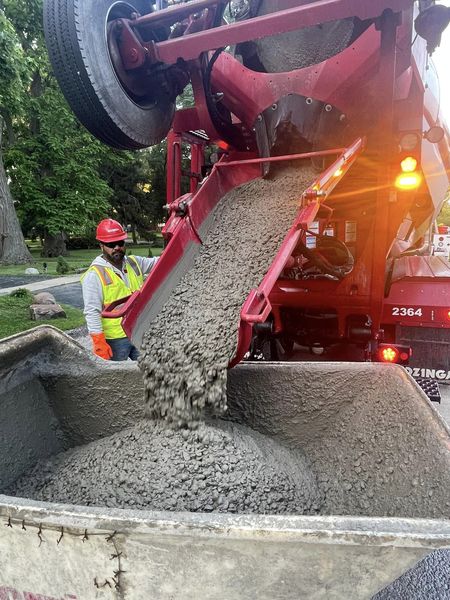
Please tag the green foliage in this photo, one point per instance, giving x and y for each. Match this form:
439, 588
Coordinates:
54, 171
62, 179
12, 70
62, 266
53, 163
444, 216
138, 181
22, 293
82, 242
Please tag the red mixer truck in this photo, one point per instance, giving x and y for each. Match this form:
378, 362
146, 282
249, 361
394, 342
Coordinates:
348, 85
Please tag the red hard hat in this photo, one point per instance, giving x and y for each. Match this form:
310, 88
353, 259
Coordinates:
109, 230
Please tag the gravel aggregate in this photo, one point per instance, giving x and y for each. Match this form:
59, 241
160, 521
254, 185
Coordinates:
222, 467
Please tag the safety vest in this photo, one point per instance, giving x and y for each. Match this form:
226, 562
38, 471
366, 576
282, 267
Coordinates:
114, 288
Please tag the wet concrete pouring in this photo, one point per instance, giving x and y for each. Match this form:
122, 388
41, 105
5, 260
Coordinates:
189, 345
175, 460
188, 464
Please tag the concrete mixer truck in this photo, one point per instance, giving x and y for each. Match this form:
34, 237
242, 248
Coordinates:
346, 87
349, 86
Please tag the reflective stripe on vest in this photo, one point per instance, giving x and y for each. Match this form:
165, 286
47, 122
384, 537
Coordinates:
114, 288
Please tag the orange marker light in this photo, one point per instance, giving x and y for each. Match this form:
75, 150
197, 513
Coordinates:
389, 354
408, 181
408, 164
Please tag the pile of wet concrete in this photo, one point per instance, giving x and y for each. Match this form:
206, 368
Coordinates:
173, 460
222, 467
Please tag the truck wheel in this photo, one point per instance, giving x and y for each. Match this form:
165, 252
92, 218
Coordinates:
76, 36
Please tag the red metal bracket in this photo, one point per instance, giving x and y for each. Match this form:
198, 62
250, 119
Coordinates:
112, 312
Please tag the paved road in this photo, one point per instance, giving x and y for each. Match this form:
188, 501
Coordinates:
68, 294
7, 281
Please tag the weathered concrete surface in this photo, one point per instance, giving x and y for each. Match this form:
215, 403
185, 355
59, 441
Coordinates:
181, 555
87, 396
297, 49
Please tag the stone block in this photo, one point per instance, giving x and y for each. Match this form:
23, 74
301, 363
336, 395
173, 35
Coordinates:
39, 312
44, 298
31, 271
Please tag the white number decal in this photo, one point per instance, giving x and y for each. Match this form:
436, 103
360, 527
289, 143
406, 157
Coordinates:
403, 311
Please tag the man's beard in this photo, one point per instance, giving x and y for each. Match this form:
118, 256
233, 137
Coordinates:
117, 257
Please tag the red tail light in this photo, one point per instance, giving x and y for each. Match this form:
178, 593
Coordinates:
394, 354
389, 354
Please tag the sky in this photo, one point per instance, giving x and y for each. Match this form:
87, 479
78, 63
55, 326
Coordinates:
441, 59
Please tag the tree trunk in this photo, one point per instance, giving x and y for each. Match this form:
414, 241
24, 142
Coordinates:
13, 249
133, 234
55, 245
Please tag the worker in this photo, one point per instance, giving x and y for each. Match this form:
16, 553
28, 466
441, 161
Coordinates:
111, 276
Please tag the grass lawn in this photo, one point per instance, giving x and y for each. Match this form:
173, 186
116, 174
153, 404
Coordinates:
77, 259
15, 316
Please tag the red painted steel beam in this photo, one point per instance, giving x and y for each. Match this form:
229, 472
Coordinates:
174, 14
191, 46
385, 212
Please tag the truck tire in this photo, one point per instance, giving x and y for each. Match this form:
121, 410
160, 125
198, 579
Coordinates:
75, 32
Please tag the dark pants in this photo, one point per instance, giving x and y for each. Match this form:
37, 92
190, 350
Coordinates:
123, 349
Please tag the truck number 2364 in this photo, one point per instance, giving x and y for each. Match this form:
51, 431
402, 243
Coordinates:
403, 311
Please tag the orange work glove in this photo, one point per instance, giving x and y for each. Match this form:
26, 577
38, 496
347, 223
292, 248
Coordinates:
101, 346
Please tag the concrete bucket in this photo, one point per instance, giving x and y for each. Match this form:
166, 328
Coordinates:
379, 450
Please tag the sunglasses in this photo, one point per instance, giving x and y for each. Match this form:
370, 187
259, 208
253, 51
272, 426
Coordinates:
120, 243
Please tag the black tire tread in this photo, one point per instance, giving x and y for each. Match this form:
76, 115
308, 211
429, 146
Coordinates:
70, 65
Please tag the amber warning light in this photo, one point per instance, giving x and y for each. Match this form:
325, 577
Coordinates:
394, 354
408, 178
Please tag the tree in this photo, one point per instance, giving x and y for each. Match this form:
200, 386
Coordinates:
138, 181
12, 244
53, 162
56, 174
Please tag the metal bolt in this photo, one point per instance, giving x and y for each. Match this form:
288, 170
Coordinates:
328, 107
133, 56
309, 100
274, 106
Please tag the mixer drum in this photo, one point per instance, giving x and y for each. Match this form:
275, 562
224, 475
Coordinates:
296, 49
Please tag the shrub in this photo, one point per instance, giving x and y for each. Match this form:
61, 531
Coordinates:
85, 242
22, 293
62, 266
